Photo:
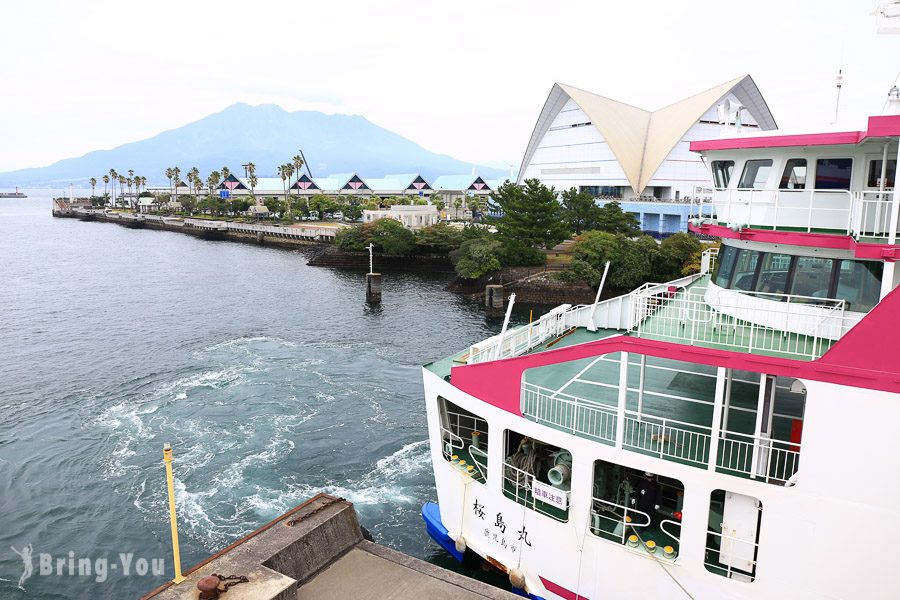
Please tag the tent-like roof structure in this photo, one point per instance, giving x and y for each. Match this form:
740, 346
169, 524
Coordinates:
460, 183
640, 139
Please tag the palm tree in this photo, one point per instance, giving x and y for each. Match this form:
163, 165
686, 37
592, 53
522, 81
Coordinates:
113, 178
143, 183
285, 171
169, 175
251, 178
105, 183
93, 182
130, 181
122, 181
193, 178
298, 163
176, 175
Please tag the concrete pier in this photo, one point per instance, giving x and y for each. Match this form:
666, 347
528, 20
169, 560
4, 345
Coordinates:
373, 288
494, 302
316, 551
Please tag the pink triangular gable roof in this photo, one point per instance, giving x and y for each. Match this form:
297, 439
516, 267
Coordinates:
232, 184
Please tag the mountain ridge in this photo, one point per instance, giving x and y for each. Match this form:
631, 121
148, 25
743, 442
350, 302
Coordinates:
265, 134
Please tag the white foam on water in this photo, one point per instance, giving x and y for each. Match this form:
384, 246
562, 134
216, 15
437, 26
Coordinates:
411, 458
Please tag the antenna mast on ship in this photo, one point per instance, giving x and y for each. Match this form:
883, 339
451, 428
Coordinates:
838, 82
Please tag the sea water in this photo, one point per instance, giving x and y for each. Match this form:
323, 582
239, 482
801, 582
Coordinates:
272, 380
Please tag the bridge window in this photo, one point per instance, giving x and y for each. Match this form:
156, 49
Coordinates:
756, 173
721, 172
464, 439
833, 173
732, 539
537, 475
794, 176
859, 283
890, 174
773, 273
636, 508
725, 266
812, 278
745, 270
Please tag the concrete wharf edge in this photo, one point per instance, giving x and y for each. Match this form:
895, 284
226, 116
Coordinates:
323, 556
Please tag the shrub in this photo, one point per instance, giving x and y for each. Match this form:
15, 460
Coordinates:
630, 260
439, 239
386, 235
477, 257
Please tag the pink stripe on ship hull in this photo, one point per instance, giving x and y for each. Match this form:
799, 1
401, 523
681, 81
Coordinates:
560, 590
798, 238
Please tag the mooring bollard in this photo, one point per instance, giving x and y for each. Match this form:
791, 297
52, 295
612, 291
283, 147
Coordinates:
373, 288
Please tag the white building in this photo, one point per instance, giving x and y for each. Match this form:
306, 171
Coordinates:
615, 150
412, 217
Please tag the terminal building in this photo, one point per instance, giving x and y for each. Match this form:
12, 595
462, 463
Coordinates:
637, 157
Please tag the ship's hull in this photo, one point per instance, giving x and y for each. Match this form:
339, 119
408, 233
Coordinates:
818, 538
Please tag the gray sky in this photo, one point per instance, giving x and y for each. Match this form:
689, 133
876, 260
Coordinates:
465, 78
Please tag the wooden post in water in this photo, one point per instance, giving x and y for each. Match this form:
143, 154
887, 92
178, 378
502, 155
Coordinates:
373, 281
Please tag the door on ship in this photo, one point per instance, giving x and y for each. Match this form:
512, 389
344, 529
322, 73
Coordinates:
880, 178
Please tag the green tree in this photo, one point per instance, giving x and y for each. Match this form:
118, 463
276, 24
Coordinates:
299, 205
580, 210
93, 182
189, 205
612, 219
439, 239
322, 205
531, 214
476, 257
630, 260
353, 210
386, 235
676, 253
532, 219
391, 237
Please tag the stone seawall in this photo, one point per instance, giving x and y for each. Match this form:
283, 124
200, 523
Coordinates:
246, 237
337, 258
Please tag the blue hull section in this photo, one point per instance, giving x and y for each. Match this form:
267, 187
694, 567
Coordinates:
431, 513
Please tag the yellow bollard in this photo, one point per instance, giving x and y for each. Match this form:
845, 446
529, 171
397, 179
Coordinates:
167, 459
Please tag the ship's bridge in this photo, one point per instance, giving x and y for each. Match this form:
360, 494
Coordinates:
839, 184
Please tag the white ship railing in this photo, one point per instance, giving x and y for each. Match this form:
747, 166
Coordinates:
576, 415
520, 340
792, 325
803, 210
668, 439
731, 549
621, 518
758, 457
860, 213
708, 260
872, 214
456, 422
517, 485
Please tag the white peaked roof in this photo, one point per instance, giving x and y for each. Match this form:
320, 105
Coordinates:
640, 139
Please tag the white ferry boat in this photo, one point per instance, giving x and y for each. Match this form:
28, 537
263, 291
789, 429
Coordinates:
731, 434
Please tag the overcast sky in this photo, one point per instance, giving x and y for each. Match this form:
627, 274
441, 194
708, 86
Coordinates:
465, 78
